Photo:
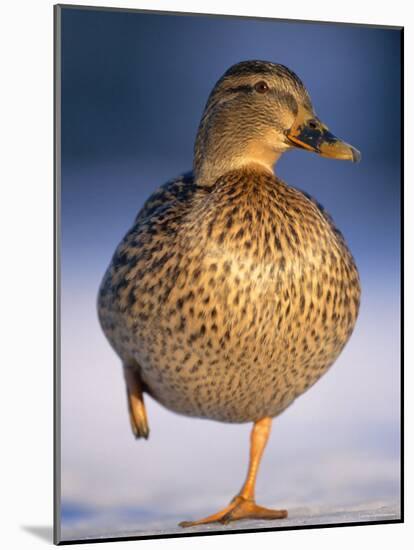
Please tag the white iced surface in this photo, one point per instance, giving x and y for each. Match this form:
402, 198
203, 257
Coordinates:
115, 525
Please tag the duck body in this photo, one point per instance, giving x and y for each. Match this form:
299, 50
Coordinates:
233, 292
230, 299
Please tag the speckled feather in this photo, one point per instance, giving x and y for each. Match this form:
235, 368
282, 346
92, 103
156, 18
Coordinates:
230, 300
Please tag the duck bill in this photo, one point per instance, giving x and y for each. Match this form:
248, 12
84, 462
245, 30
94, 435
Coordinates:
321, 141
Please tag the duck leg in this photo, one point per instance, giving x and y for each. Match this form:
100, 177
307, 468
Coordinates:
136, 407
243, 504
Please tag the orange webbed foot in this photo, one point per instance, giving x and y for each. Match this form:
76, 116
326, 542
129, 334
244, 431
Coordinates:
239, 508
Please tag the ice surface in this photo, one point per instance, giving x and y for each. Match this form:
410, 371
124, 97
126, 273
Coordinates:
126, 524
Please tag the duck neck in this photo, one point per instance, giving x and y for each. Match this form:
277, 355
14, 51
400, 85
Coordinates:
213, 167
223, 144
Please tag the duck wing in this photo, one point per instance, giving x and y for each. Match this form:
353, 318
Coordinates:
179, 189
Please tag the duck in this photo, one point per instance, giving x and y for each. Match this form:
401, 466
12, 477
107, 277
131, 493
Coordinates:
234, 292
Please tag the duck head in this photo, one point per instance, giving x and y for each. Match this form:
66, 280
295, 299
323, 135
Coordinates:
255, 112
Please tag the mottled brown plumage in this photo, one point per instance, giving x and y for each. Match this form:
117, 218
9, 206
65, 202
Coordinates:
233, 293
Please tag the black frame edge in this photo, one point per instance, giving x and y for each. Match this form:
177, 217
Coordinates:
56, 271
251, 17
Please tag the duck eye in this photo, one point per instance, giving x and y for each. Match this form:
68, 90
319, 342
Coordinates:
313, 124
261, 87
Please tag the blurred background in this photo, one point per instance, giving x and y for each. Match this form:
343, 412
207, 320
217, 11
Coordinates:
134, 86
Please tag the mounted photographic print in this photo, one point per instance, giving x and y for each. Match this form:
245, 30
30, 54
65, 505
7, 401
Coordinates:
228, 271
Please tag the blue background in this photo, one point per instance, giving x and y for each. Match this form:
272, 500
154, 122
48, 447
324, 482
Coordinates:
134, 86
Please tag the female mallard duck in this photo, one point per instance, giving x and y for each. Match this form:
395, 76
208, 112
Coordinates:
233, 293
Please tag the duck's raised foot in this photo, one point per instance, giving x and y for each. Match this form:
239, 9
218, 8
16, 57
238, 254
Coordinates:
136, 407
239, 508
